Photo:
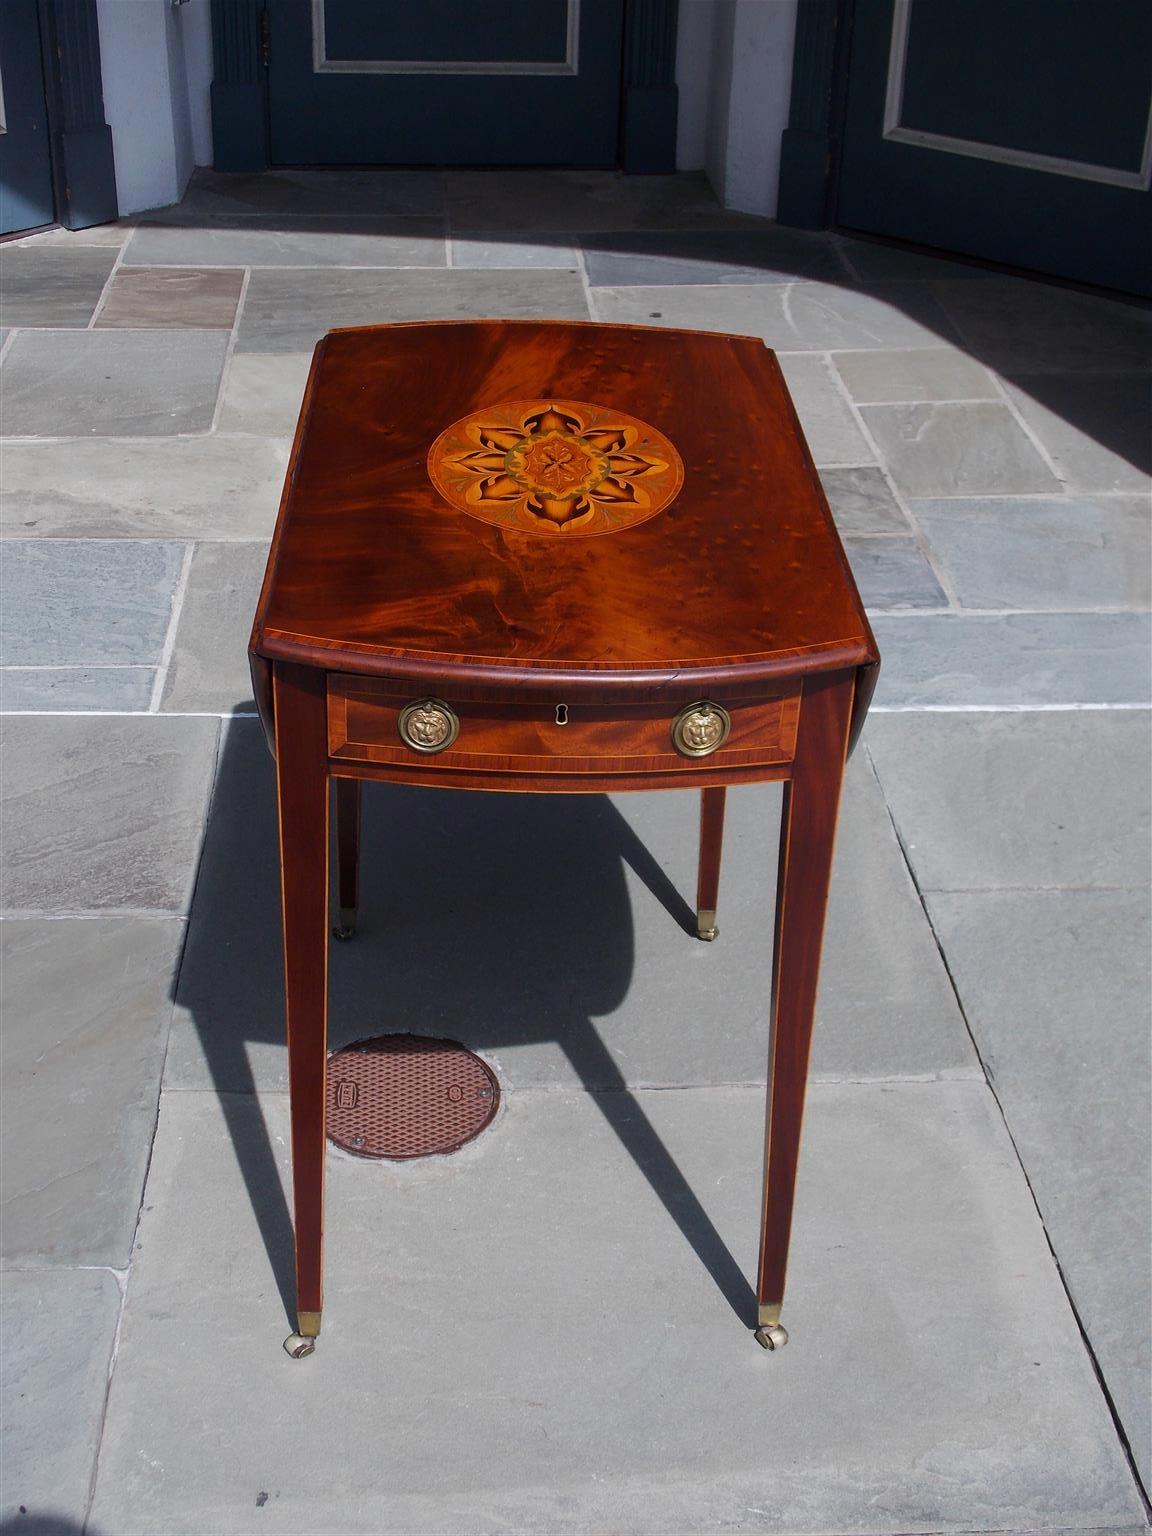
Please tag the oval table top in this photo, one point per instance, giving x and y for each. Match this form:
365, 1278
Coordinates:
498, 501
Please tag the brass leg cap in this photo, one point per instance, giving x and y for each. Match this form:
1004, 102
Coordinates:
706, 925
772, 1337
303, 1341
346, 927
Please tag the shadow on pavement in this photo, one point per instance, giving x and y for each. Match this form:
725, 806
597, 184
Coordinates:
498, 920
45, 1525
1086, 352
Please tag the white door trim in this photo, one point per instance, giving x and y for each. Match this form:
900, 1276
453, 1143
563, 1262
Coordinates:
975, 149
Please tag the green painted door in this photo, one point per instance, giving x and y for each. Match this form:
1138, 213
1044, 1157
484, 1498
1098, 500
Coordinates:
26, 199
444, 82
1017, 130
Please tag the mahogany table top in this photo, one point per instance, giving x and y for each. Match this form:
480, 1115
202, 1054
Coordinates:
539, 497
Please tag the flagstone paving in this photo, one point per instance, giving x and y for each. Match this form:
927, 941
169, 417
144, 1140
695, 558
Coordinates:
562, 1310
549, 1331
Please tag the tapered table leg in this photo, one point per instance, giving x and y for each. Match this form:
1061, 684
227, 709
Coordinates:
302, 790
807, 837
711, 846
347, 854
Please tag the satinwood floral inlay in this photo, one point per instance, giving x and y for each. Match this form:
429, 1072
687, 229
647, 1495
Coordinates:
555, 467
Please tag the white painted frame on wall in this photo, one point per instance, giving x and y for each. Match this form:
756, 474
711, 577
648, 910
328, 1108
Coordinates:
975, 149
323, 65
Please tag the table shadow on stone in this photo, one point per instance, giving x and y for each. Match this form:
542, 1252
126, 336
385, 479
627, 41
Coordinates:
499, 902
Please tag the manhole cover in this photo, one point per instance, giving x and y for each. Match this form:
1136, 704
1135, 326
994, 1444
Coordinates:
407, 1096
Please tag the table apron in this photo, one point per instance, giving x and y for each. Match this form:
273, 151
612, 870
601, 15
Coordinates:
428, 776
515, 737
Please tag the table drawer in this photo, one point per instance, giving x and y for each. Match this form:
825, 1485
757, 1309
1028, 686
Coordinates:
479, 731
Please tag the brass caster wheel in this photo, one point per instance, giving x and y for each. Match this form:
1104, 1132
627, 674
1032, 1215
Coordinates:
343, 934
298, 1345
708, 934
706, 926
773, 1337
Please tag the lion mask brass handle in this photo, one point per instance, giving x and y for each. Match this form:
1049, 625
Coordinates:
700, 729
428, 725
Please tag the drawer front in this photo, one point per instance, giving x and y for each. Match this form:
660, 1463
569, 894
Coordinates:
501, 735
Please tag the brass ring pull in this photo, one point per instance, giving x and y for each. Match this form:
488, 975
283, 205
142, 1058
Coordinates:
428, 725
700, 729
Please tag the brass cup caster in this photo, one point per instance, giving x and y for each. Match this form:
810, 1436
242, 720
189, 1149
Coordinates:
706, 926
345, 929
303, 1341
772, 1337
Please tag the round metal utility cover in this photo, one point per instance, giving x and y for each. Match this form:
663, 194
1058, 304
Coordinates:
401, 1096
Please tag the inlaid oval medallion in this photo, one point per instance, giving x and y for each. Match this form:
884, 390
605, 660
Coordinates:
556, 467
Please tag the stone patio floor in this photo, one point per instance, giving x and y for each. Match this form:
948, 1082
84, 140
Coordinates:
548, 1332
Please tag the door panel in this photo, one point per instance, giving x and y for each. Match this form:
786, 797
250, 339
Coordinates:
1012, 129
514, 82
438, 34
26, 198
